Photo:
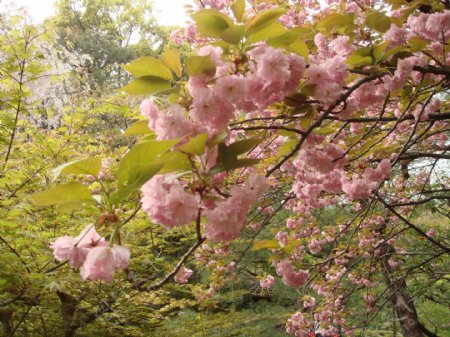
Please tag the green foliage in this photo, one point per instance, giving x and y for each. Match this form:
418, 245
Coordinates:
88, 166
378, 21
109, 32
196, 65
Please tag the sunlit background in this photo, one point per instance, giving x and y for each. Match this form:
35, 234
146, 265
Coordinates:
167, 12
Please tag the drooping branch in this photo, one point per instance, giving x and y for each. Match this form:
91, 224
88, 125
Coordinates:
412, 226
140, 285
318, 122
431, 117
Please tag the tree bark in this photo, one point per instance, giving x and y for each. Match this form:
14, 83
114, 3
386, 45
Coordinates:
5, 319
401, 301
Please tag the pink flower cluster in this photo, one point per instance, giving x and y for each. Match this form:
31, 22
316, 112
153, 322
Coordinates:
102, 262
323, 171
432, 27
226, 220
289, 276
328, 77
267, 282
293, 18
299, 325
188, 35
167, 203
90, 252
183, 275
166, 124
395, 35
403, 72
272, 76
318, 170
216, 4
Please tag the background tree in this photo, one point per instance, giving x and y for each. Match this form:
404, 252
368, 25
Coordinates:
108, 33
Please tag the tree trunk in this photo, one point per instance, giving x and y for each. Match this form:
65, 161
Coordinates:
402, 303
5, 319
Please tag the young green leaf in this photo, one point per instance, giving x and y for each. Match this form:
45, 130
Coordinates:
245, 145
263, 19
328, 23
140, 174
87, 166
271, 31
146, 85
138, 128
265, 244
141, 156
72, 194
378, 21
196, 65
238, 9
233, 34
174, 161
195, 145
148, 66
211, 23
171, 58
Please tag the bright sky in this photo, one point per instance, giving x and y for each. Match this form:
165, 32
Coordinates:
168, 12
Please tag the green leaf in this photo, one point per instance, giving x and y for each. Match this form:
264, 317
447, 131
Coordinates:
287, 147
148, 66
218, 138
174, 161
233, 34
265, 244
244, 162
355, 60
195, 145
284, 39
271, 31
299, 47
307, 120
309, 89
146, 85
417, 44
263, 19
138, 128
87, 166
171, 58
227, 157
378, 21
211, 23
363, 148
295, 100
324, 131
141, 156
381, 52
72, 195
135, 179
196, 65
243, 146
328, 23
238, 9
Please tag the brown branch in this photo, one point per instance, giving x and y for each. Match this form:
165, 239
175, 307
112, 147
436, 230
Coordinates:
431, 117
416, 155
433, 70
266, 127
318, 122
168, 277
412, 226
423, 201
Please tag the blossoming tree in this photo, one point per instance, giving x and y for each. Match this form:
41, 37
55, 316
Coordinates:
292, 107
